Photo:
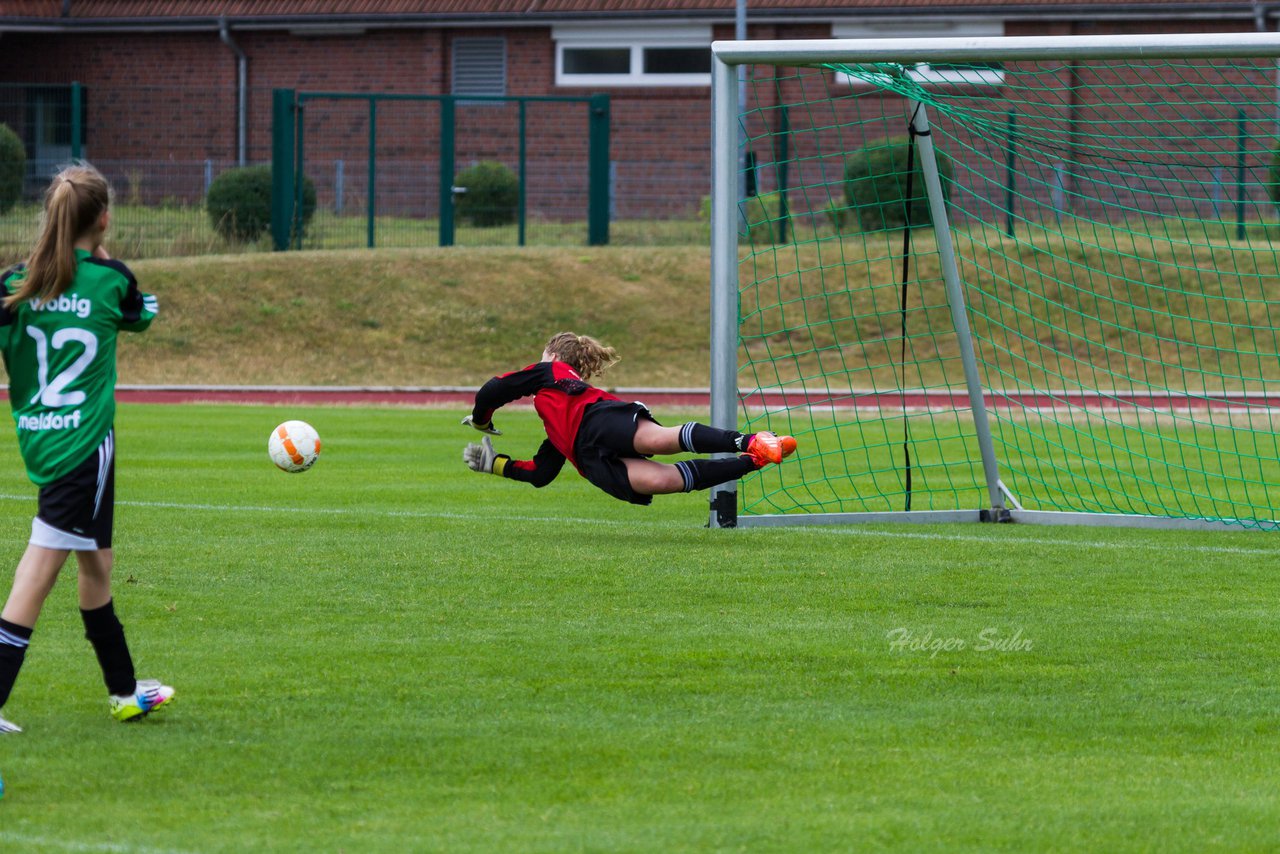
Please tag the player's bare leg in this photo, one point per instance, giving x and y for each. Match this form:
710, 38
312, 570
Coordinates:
94, 579
653, 478
653, 438
32, 581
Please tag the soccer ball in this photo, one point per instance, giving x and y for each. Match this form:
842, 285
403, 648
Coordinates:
294, 446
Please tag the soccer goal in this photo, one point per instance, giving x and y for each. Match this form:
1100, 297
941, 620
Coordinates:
1029, 279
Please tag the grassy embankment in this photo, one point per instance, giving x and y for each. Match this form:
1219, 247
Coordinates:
418, 317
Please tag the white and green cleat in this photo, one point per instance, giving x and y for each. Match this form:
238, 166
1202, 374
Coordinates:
8, 726
146, 698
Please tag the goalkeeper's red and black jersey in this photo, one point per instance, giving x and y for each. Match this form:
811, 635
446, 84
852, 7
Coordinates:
560, 397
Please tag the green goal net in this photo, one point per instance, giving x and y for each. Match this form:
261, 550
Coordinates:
997, 282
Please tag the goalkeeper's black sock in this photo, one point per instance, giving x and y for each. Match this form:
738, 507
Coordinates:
103, 629
704, 474
700, 439
13, 649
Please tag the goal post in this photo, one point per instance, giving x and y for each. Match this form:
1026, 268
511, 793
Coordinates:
1029, 279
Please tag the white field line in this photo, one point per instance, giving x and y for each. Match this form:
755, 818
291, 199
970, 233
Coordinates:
829, 530
51, 843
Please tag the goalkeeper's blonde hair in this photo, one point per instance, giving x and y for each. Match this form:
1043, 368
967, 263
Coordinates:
583, 353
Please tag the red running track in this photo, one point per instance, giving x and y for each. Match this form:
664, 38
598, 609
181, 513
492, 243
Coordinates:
943, 400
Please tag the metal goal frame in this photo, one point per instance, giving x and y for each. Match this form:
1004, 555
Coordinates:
727, 56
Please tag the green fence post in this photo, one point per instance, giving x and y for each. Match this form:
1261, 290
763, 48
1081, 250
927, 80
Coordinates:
1010, 171
598, 171
283, 132
371, 203
299, 183
446, 171
784, 175
1241, 154
77, 121
521, 198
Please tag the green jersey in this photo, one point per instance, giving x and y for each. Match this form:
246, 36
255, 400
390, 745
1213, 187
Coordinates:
61, 359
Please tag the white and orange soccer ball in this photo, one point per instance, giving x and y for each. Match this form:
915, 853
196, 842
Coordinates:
294, 446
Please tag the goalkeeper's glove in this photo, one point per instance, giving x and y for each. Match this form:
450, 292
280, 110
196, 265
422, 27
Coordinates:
480, 456
483, 428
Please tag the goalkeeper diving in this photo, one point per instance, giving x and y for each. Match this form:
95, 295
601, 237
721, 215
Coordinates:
608, 440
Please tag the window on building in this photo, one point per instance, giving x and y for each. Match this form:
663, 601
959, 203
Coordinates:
943, 74
597, 60
479, 66
677, 60
678, 55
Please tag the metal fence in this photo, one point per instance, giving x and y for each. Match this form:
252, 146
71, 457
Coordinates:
162, 147
539, 161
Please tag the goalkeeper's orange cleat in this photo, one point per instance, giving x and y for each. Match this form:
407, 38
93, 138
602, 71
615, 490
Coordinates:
767, 448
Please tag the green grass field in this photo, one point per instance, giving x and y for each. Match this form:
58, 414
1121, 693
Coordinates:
391, 653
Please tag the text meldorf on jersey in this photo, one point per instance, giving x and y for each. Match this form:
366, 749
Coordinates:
49, 421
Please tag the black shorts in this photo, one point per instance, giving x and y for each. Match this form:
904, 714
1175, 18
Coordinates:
77, 510
606, 436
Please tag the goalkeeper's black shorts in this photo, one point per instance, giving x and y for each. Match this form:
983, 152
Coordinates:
606, 436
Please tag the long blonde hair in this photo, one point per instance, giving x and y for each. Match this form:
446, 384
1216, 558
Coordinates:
583, 353
72, 204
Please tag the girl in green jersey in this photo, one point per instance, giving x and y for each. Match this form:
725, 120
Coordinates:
60, 313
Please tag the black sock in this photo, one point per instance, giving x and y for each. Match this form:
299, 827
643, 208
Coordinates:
13, 649
104, 631
698, 438
704, 474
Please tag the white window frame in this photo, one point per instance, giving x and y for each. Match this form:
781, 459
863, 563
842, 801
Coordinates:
635, 40
922, 73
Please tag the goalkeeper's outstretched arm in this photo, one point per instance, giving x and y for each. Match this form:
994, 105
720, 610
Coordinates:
500, 391
539, 471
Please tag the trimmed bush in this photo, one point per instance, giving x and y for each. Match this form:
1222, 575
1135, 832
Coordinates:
765, 223
764, 218
239, 203
13, 167
493, 191
839, 216
875, 183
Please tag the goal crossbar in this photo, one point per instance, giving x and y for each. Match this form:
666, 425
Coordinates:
997, 48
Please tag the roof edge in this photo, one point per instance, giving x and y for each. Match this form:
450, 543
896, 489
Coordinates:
1112, 11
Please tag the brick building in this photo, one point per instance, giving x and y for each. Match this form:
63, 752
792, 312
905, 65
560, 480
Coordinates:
174, 92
